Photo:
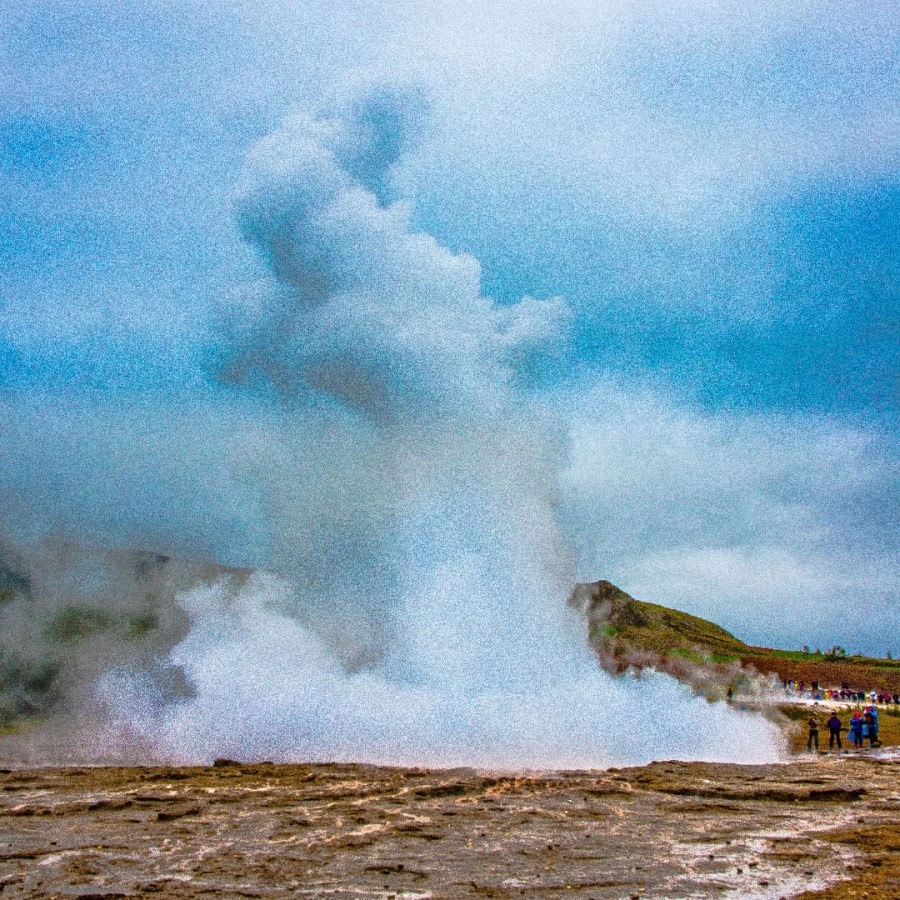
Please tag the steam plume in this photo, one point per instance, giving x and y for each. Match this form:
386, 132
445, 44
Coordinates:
410, 599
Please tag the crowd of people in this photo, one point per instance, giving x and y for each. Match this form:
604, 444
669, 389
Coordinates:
863, 725
844, 694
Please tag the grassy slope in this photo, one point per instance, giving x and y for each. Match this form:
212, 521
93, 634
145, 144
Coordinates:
636, 633
631, 624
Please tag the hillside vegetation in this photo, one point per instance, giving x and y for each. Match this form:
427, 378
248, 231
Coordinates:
622, 625
629, 633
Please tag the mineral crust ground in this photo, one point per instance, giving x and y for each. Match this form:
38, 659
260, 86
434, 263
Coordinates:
824, 826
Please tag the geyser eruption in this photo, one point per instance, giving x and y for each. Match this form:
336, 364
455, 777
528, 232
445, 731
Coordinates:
409, 603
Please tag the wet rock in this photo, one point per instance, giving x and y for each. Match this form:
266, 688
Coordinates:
177, 812
280, 828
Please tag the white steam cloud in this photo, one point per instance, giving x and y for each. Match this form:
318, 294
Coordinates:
413, 607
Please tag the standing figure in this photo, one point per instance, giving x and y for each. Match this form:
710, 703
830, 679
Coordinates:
872, 726
813, 733
856, 729
834, 731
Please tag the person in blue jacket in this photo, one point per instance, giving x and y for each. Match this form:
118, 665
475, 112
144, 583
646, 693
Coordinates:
871, 719
856, 729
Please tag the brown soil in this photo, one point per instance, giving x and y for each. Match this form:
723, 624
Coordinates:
665, 830
857, 675
877, 876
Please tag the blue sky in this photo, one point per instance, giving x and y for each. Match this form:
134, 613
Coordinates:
713, 191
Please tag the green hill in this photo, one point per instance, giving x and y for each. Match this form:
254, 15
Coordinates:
621, 625
628, 633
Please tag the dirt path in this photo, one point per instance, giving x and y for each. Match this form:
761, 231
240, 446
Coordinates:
666, 830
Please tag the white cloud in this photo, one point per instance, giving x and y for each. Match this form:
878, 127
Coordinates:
690, 113
776, 527
593, 117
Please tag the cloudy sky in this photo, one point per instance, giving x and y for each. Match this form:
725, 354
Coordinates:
712, 190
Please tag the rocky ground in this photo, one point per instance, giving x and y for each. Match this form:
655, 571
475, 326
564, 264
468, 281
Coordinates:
665, 830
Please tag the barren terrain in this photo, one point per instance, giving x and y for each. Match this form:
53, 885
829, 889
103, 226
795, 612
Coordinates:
664, 830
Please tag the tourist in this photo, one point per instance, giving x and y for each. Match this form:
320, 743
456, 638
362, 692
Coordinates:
856, 729
813, 733
872, 726
834, 731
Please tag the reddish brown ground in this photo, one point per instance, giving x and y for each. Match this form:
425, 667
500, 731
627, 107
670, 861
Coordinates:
859, 677
877, 875
667, 830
